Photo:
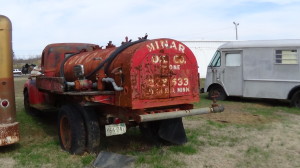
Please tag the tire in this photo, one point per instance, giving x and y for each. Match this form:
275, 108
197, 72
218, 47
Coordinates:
71, 130
295, 101
217, 90
92, 129
29, 110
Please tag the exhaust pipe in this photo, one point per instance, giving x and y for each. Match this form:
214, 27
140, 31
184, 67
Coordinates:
181, 113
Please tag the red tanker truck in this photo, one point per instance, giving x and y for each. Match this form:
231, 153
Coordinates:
147, 83
9, 127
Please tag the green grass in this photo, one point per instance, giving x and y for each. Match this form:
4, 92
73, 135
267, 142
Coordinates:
188, 149
39, 146
158, 158
255, 156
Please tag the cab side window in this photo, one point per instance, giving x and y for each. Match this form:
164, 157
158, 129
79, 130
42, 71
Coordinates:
216, 61
233, 59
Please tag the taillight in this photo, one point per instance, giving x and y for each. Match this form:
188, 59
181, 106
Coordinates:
117, 121
5, 103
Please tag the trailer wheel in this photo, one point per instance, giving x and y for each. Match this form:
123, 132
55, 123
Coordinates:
29, 110
71, 130
92, 129
295, 101
217, 91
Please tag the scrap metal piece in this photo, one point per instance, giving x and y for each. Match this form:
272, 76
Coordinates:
113, 160
9, 133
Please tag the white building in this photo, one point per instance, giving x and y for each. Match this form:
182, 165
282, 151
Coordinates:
204, 51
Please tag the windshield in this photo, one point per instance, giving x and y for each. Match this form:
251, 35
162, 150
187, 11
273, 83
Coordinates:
216, 61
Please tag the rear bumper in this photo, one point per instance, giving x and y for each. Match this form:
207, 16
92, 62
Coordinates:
9, 133
181, 113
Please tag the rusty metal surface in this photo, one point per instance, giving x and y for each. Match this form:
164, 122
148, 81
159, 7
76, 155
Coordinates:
53, 55
153, 73
90, 60
35, 95
105, 99
52, 84
9, 133
88, 93
156, 73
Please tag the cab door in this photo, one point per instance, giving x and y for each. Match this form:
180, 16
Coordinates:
233, 73
214, 70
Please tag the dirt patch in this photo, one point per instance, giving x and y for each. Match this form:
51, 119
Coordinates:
277, 145
7, 162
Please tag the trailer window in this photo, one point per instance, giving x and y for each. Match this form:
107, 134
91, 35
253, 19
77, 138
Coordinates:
233, 59
216, 61
286, 57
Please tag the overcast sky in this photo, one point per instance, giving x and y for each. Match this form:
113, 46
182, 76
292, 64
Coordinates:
37, 23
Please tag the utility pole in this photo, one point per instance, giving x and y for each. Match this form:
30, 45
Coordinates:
236, 31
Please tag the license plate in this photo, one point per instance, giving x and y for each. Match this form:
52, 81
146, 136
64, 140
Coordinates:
115, 129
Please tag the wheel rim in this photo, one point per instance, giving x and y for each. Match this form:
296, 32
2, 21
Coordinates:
65, 133
215, 94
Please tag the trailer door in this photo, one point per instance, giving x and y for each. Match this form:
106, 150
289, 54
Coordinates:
233, 79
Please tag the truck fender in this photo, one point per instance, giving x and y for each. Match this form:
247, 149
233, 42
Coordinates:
217, 84
35, 96
221, 89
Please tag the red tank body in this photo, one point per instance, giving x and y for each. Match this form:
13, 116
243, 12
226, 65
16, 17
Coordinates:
153, 73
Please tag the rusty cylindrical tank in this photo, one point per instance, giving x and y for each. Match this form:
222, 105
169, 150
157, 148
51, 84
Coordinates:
152, 73
9, 128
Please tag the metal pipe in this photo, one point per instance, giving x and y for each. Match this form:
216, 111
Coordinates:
178, 114
112, 81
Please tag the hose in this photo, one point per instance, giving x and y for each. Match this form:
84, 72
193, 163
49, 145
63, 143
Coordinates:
112, 56
112, 81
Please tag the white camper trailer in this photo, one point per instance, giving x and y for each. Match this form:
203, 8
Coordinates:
258, 69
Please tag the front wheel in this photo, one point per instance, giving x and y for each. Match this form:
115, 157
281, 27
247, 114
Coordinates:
71, 130
217, 92
295, 101
28, 109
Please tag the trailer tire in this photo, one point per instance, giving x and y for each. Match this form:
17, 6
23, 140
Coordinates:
295, 101
29, 110
71, 130
217, 90
92, 129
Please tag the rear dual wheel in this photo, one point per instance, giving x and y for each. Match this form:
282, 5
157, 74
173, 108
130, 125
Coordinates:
78, 129
71, 130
